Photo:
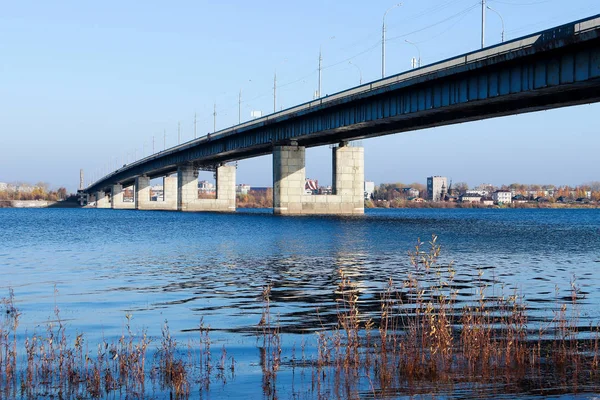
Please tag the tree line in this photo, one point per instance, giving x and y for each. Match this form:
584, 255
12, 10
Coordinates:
39, 191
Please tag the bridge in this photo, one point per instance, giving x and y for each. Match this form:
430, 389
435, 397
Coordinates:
557, 67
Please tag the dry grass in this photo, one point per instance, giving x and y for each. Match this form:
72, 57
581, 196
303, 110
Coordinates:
418, 339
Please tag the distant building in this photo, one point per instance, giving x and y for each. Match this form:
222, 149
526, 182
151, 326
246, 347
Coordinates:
502, 196
157, 193
311, 186
487, 201
519, 198
435, 184
410, 192
485, 189
206, 187
3, 186
242, 188
369, 189
326, 190
470, 197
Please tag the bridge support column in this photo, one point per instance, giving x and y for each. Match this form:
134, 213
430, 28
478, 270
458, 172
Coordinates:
102, 200
187, 190
116, 198
142, 193
169, 193
289, 176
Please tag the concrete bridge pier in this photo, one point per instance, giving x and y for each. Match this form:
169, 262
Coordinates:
102, 200
116, 198
187, 190
289, 177
142, 194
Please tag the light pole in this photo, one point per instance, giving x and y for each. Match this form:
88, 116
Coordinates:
501, 20
275, 87
383, 39
320, 62
215, 117
321, 67
240, 108
275, 92
418, 51
240, 104
359, 71
482, 24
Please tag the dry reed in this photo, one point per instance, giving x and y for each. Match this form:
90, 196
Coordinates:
419, 338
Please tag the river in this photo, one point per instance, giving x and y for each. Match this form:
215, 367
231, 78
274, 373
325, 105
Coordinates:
97, 266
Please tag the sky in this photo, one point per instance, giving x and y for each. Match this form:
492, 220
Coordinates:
93, 84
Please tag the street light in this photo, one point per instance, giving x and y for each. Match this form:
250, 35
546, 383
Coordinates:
359, 71
275, 87
418, 50
321, 66
383, 39
501, 20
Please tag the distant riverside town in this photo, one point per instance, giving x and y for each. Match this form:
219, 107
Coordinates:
438, 191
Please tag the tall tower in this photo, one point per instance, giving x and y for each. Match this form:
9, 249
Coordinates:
434, 187
81, 179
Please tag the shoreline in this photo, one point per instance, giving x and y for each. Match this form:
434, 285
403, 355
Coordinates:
368, 205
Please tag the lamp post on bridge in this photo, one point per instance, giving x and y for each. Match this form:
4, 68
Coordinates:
482, 24
359, 71
383, 39
321, 67
501, 20
418, 51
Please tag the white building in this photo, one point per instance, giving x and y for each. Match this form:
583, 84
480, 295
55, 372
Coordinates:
471, 197
485, 189
369, 189
3, 186
157, 193
434, 187
410, 192
206, 187
502, 196
242, 188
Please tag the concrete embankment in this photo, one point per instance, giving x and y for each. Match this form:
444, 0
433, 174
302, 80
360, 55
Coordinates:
26, 203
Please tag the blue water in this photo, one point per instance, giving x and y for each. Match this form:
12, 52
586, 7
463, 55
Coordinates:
99, 265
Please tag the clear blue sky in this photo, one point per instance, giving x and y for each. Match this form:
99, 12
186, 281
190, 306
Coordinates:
84, 82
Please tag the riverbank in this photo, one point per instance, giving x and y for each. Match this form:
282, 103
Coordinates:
26, 203
532, 205
70, 202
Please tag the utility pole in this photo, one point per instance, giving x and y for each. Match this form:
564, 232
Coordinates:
152, 144
482, 24
240, 107
215, 118
320, 69
194, 125
275, 92
179, 132
81, 179
165, 140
